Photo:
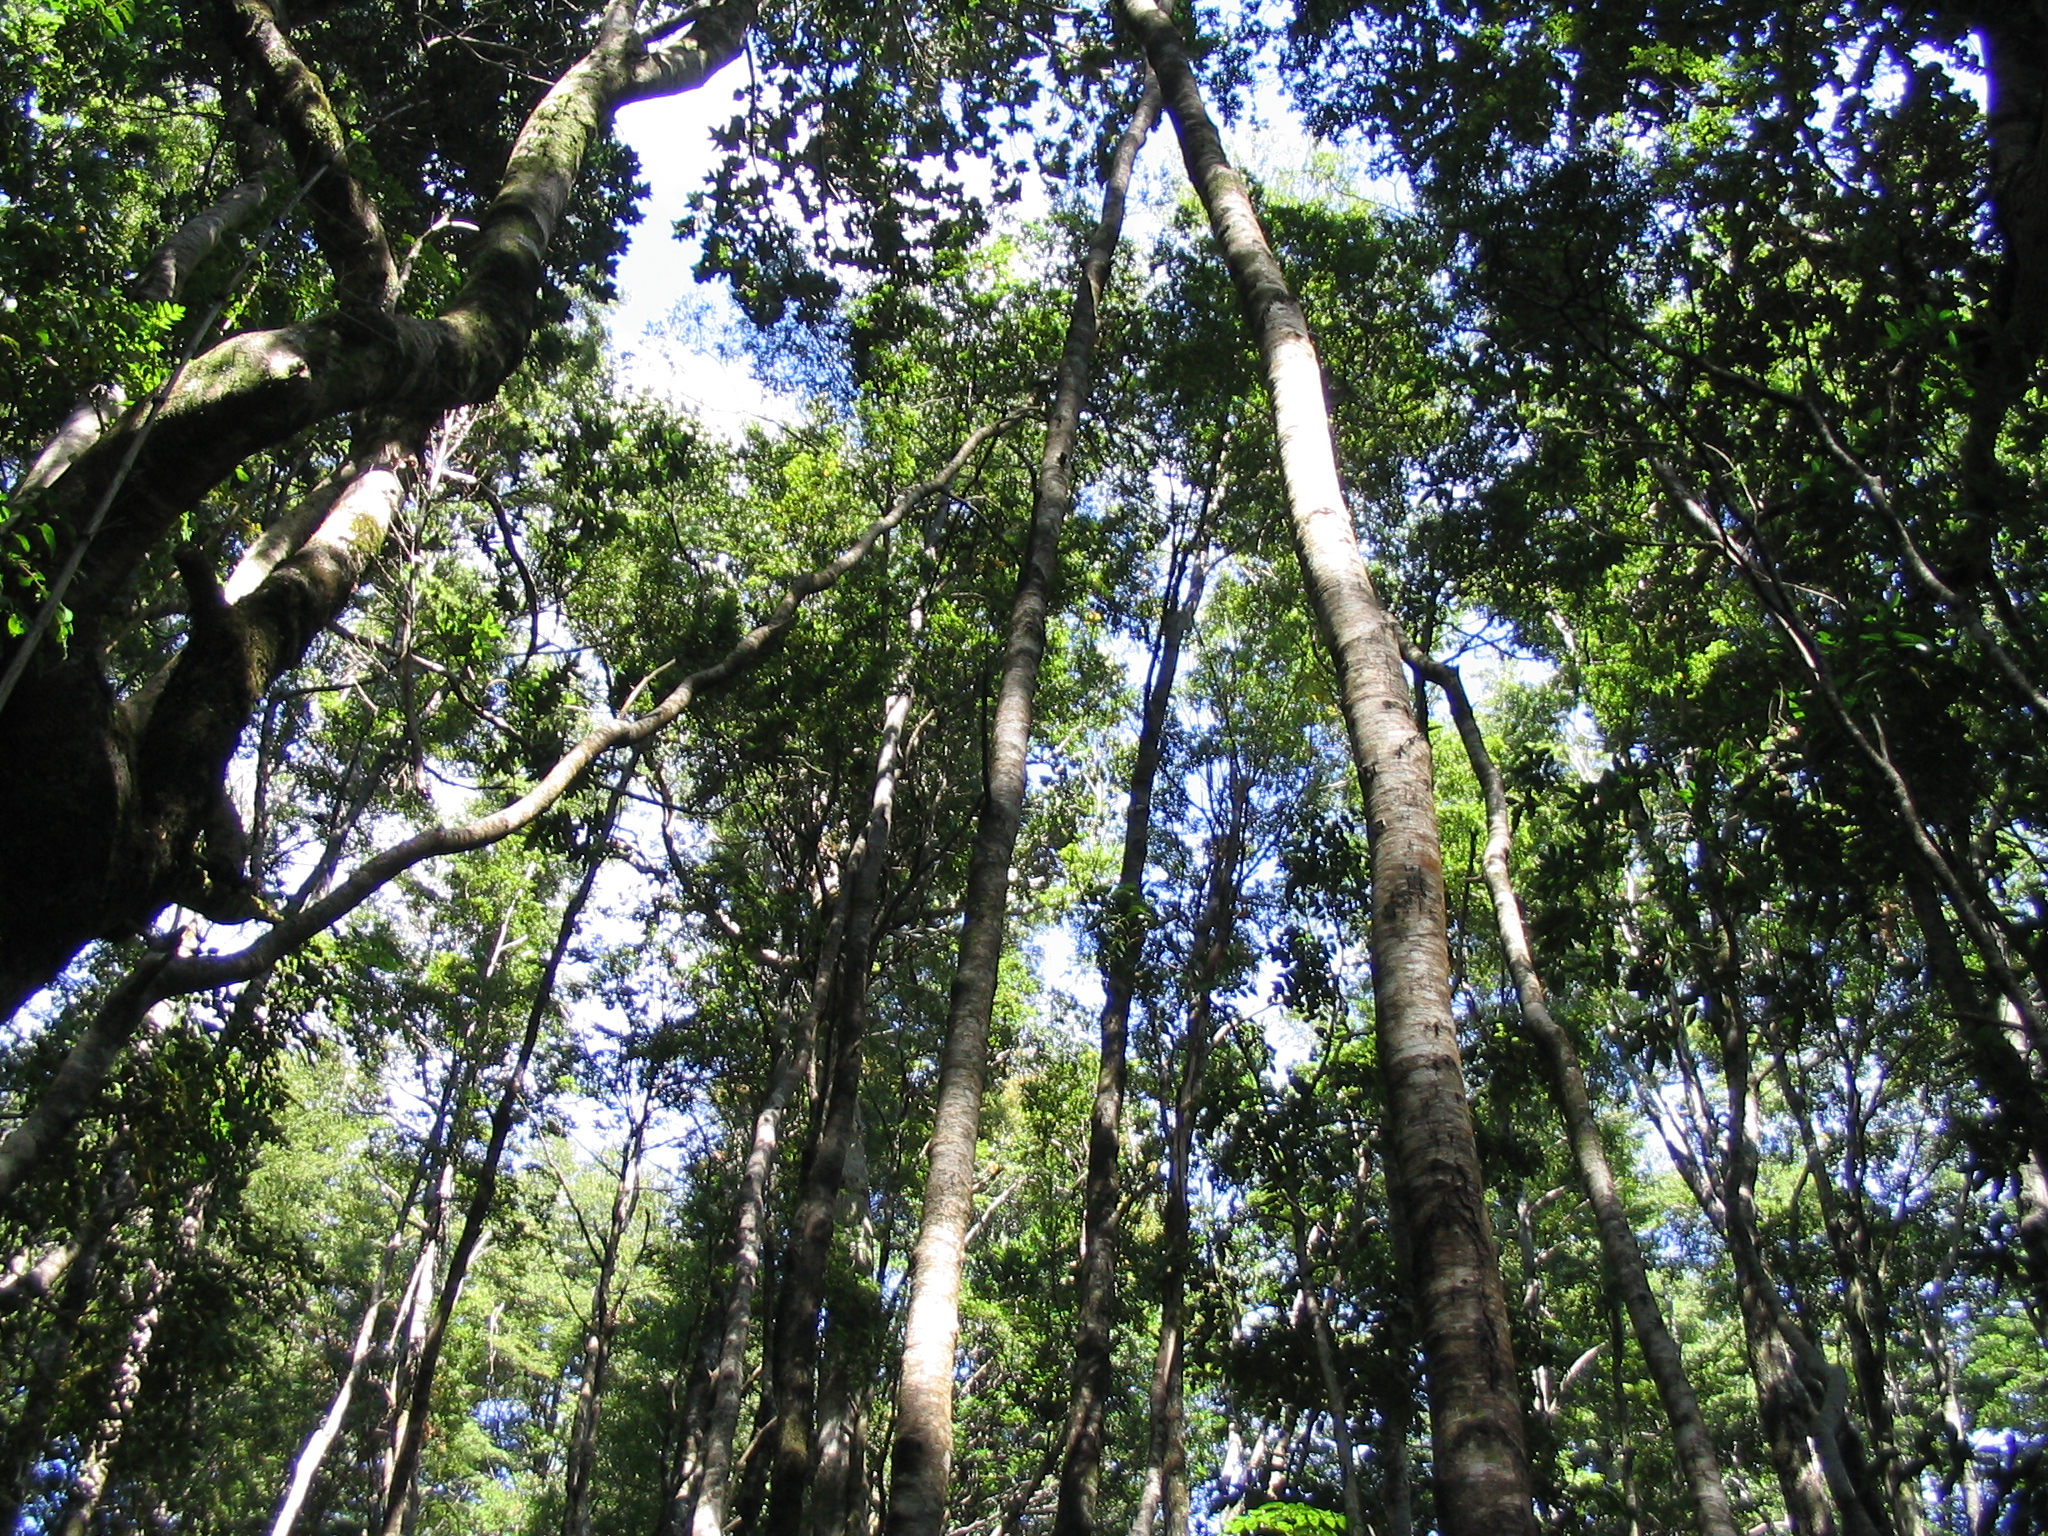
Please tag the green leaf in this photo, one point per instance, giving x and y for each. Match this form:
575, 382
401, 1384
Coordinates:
1283, 1519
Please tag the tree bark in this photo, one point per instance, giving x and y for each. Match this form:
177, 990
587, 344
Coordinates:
842, 993
100, 821
306, 1465
683, 1471
1623, 1256
2003, 350
581, 1460
1481, 1465
922, 1454
89, 1476
1123, 943
810, 1248
1165, 1495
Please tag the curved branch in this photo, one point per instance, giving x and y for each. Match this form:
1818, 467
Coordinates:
346, 223
255, 390
85, 1069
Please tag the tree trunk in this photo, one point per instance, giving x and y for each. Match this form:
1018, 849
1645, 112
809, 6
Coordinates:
2014, 42
434, 1188
1802, 1396
1324, 1343
173, 972
1123, 943
405, 1460
810, 1248
683, 1462
105, 825
715, 1483
1865, 1308
89, 1476
1397, 1493
1165, 1495
1481, 1465
922, 1453
728, 1371
853, 1347
1623, 1256
431, 1172
581, 1460
306, 1465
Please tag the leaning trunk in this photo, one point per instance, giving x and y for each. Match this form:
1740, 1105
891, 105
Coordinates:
922, 1457
106, 824
432, 1177
1802, 1396
810, 1250
1123, 943
1481, 1464
1623, 1256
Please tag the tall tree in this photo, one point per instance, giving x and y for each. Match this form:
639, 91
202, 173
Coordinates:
1481, 1470
922, 1450
1619, 1249
1122, 943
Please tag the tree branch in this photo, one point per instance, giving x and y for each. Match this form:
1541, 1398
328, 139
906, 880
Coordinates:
346, 223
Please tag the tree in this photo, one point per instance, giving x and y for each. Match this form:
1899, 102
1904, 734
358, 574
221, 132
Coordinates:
511, 1058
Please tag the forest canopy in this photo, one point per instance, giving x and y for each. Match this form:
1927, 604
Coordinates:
1349, 846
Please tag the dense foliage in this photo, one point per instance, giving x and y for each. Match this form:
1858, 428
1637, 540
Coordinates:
483, 854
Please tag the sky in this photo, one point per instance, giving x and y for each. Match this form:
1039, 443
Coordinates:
665, 326
666, 329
